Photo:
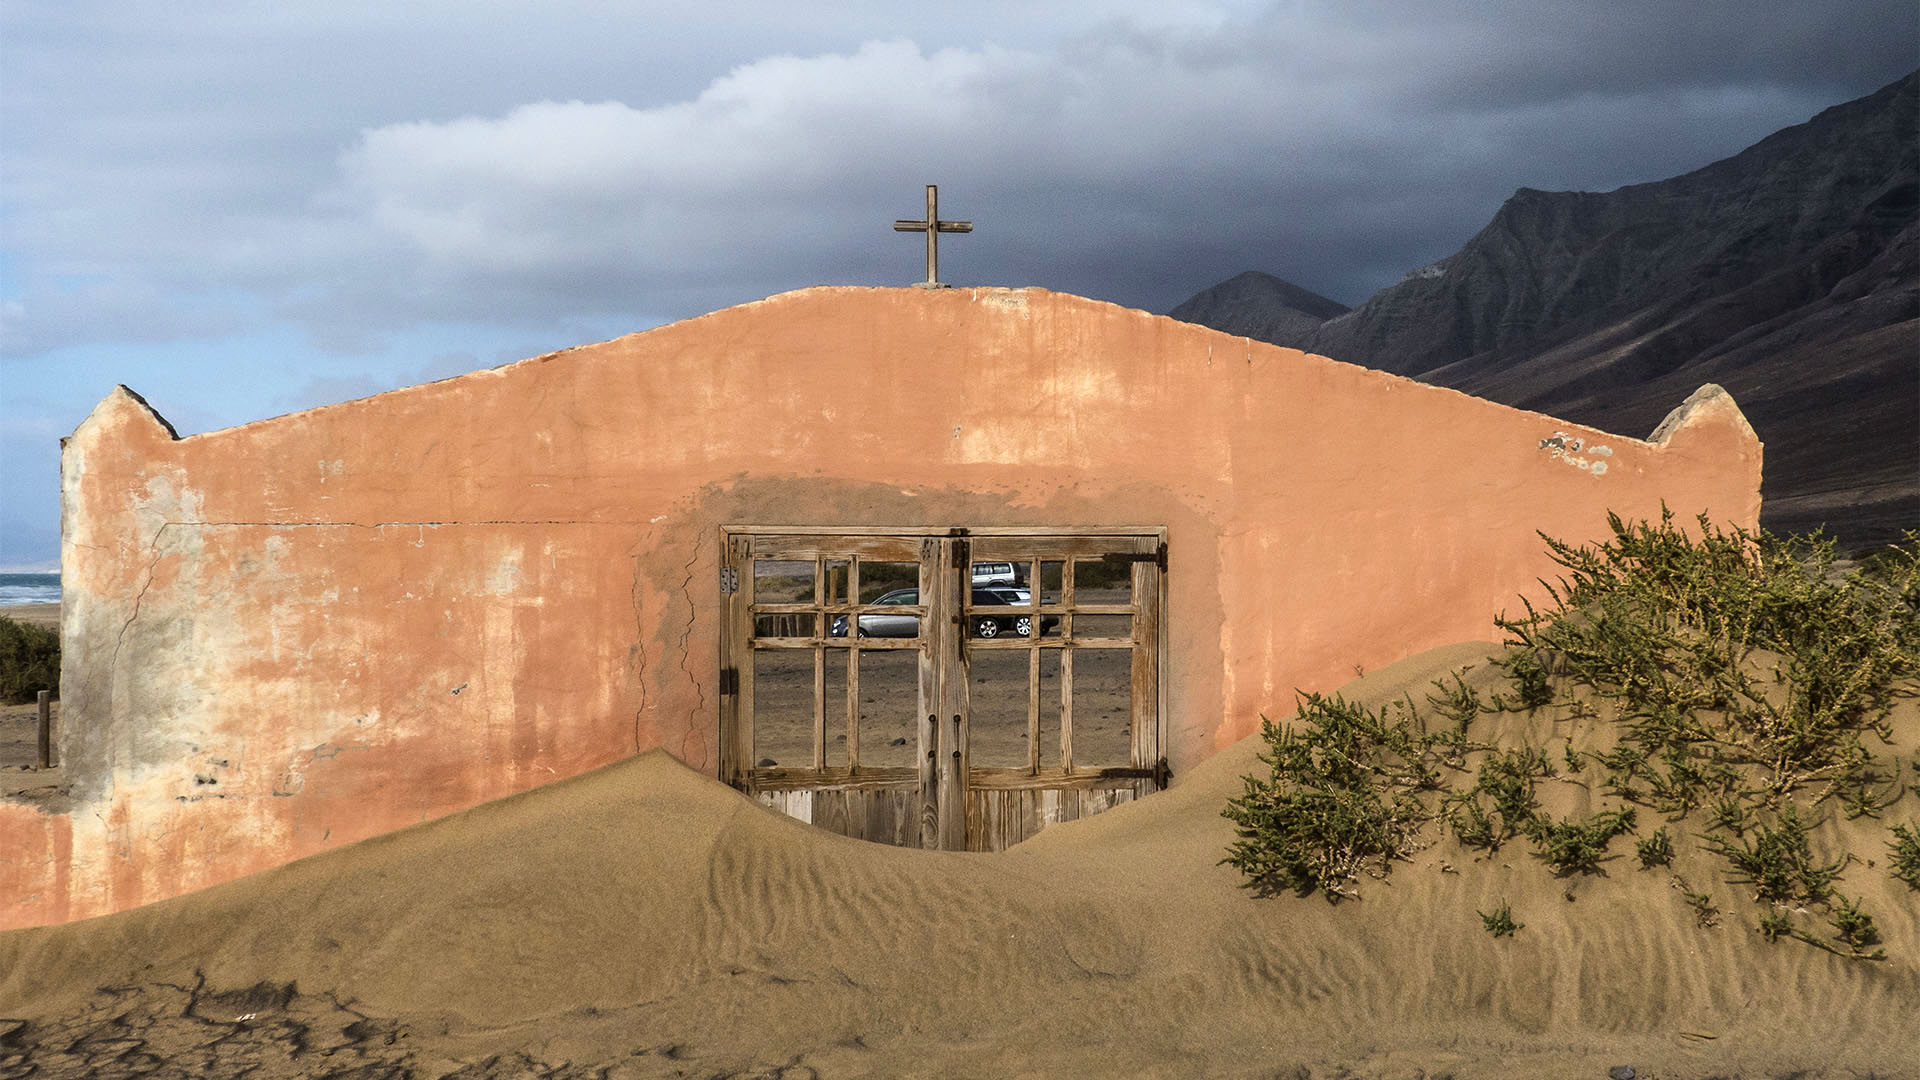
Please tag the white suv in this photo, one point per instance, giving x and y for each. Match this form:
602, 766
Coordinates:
993, 573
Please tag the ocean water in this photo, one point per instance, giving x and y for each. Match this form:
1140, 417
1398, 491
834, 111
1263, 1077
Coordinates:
29, 589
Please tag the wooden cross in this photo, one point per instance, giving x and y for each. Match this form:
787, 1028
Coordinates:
933, 227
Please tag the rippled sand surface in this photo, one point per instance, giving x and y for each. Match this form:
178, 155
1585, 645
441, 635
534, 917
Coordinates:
644, 921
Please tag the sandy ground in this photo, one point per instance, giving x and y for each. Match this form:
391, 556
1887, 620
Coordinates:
47, 615
644, 921
20, 727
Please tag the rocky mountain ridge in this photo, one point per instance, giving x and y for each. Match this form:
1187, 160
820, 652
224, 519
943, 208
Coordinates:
1260, 306
1788, 273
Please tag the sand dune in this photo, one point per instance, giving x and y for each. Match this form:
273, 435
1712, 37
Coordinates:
645, 921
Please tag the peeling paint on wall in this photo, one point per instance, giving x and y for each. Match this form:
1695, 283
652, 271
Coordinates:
1568, 449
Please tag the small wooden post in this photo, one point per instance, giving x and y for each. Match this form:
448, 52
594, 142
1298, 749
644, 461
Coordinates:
46, 729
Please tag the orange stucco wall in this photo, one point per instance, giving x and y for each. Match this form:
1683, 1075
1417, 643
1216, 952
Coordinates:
313, 629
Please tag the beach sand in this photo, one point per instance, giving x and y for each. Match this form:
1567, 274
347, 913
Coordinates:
47, 615
645, 921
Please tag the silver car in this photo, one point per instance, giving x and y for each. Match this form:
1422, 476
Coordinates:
982, 624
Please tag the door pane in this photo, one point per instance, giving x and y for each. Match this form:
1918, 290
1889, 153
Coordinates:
1109, 627
1100, 581
879, 578
997, 703
834, 704
786, 624
783, 708
1102, 708
838, 571
889, 707
782, 581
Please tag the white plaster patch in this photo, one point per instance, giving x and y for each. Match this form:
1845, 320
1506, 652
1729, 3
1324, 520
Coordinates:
419, 533
1568, 449
505, 577
168, 504
1088, 385
998, 445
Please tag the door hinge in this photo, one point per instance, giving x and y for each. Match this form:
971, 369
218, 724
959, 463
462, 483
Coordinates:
729, 681
1162, 774
729, 580
1158, 557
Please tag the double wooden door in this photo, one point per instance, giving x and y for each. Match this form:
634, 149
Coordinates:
953, 688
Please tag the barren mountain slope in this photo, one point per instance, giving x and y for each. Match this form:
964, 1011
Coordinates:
1788, 273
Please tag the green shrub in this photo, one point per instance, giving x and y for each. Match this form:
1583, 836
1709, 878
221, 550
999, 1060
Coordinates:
1729, 814
1655, 850
1905, 864
1506, 780
1529, 675
1774, 924
1704, 911
29, 661
1500, 922
1854, 928
1459, 702
1576, 847
1671, 626
1572, 759
1338, 801
1778, 862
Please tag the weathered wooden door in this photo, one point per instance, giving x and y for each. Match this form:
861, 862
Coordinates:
957, 688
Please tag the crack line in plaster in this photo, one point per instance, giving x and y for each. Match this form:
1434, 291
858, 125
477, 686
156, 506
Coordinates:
153, 561
700, 708
640, 644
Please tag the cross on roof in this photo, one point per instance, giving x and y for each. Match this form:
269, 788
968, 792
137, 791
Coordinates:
933, 227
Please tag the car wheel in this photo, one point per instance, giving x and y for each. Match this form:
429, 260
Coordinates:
863, 632
984, 627
1023, 626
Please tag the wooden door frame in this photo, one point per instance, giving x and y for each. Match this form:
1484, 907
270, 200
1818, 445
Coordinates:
942, 771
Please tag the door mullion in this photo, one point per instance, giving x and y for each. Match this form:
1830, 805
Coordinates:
929, 711
1144, 671
853, 664
853, 700
1066, 708
819, 664
947, 622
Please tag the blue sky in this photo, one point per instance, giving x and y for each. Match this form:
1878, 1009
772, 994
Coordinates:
241, 209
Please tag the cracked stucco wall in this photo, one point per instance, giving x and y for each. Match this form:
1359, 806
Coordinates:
317, 628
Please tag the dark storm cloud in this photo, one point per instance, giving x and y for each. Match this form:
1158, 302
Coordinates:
359, 173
